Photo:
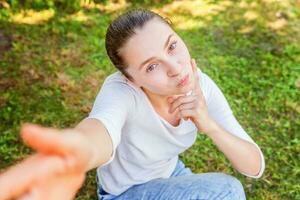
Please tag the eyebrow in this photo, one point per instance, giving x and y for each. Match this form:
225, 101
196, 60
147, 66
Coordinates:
165, 46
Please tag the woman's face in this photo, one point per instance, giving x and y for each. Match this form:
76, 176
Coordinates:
158, 60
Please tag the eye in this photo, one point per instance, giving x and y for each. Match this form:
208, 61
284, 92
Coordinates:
151, 67
173, 46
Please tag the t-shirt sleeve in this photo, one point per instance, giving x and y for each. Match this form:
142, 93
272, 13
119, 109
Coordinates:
220, 111
113, 105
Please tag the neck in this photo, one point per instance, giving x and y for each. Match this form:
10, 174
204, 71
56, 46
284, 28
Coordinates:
158, 101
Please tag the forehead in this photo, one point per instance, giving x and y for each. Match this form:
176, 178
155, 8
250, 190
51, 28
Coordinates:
147, 42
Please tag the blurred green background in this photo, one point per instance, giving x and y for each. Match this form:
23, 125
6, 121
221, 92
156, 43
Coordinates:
53, 62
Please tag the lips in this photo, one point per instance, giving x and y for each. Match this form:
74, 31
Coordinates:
183, 81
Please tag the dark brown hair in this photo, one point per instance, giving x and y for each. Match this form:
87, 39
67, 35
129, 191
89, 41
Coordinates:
121, 29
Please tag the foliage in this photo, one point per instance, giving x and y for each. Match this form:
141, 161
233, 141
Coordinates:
54, 62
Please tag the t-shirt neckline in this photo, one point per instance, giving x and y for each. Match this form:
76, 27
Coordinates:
152, 108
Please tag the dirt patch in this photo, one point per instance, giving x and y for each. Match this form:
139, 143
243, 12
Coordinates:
5, 43
6, 83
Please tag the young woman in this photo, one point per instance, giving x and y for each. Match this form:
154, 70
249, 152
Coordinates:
143, 117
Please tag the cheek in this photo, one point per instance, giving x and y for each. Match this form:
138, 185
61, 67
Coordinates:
183, 54
159, 82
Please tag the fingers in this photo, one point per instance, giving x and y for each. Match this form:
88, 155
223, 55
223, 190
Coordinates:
19, 178
187, 106
197, 88
62, 187
187, 113
31, 195
186, 110
194, 67
46, 140
175, 103
27, 196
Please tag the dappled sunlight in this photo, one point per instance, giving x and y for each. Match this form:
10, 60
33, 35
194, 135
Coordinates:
80, 16
274, 15
192, 14
270, 14
278, 24
246, 29
32, 16
297, 84
54, 63
184, 22
243, 4
251, 15
284, 3
195, 8
109, 7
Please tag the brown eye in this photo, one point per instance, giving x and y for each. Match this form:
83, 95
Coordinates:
172, 46
151, 67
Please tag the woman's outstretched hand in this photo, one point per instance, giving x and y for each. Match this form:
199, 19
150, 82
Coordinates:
55, 172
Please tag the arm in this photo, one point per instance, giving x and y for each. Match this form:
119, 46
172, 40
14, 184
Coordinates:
66, 155
57, 169
243, 155
209, 110
95, 132
227, 133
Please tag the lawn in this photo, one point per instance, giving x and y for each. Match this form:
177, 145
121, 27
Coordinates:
52, 64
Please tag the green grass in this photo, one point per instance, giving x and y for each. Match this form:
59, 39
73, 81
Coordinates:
54, 69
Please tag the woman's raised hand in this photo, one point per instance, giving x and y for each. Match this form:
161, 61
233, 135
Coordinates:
192, 106
55, 172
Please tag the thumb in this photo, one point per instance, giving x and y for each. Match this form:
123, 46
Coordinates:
47, 140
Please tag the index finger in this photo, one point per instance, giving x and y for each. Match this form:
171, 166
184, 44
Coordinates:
48, 140
197, 88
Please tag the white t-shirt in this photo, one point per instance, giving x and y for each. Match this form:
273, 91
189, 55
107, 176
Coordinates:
145, 146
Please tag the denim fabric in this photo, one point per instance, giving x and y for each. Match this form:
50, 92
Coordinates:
183, 184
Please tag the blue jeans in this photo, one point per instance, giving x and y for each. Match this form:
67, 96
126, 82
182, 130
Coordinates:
183, 184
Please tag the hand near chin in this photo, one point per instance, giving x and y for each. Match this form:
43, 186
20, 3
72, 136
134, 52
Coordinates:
192, 106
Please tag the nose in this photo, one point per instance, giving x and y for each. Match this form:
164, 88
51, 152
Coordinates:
173, 68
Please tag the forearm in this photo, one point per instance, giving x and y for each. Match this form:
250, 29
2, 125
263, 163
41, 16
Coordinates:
100, 143
243, 155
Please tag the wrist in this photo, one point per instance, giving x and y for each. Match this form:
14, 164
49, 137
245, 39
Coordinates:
209, 127
86, 153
